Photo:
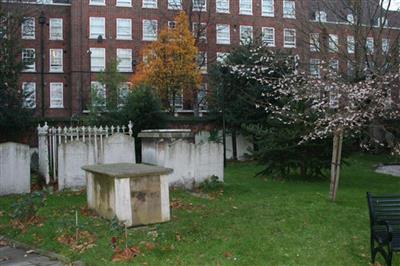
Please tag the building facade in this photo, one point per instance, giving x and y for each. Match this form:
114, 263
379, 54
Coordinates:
68, 42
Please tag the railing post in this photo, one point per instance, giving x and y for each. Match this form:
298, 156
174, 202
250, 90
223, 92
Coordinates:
43, 133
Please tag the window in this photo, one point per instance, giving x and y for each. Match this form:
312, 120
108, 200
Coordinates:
199, 5
97, 59
350, 68
149, 4
314, 42
370, 45
56, 60
149, 30
124, 57
29, 91
56, 95
202, 97
351, 44
246, 34
127, 3
56, 28
98, 94
171, 24
289, 9
350, 18
28, 59
334, 65
221, 57
289, 36
333, 43
268, 36
385, 45
200, 31
223, 34
320, 16
202, 61
315, 67
97, 2
222, 6
124, 29
28, 28
177, 101
267, 8
175, 4
246, 7
383, 21
97, 27
123, 92
333, 98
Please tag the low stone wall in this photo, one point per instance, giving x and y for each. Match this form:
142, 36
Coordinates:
118, 148
243, 145
15, 176
192, 163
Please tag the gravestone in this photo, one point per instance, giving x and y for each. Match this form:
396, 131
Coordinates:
137, 194
15, 175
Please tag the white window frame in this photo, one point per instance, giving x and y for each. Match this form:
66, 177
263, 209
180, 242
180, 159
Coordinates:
123, 92
351, 44
56, 98
28, 32
289, 4
243, 29
203, 36
102, 66
264, 39
315, 45
199, 7
221, 57
124, 3
203, 63
124, 67
150, 4
246, 7
175, 4
333, 43
370, 45
121, 35
222, 6
321, 16
53, 34
29, 102
265, 12
97, 2
350, 18
53, 66
315, 67
385, 45
93, 34
145, 27
334, 64
31, 67
99, 89
225, 29
285, 43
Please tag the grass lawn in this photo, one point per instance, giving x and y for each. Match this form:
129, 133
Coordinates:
256, 221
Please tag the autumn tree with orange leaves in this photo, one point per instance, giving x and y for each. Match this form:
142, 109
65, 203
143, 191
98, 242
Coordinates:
170, 63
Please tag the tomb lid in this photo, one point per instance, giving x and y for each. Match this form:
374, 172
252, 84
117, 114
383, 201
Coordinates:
166, 133
124, 170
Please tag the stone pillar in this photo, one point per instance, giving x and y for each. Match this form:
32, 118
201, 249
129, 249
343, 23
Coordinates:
43, 140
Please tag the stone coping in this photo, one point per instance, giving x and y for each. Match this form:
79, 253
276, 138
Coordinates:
127, 170
166, 133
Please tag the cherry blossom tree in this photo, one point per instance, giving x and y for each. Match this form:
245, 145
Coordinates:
331, 106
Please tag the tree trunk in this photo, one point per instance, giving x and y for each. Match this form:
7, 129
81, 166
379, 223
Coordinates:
336, 160
234, 145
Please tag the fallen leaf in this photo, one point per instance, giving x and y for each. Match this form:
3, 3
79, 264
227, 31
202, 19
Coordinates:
227, 254
86, 240
178, 237
150, 246
30, 251
3, 243
126, 255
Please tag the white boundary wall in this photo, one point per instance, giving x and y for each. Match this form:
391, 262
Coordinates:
15, 162
192, 163
118, 148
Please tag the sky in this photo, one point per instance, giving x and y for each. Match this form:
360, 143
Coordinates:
395, 5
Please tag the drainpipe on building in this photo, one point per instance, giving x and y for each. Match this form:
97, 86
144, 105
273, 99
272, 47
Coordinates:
42, 22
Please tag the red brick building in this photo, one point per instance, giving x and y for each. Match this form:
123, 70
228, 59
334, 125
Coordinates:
72, 40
